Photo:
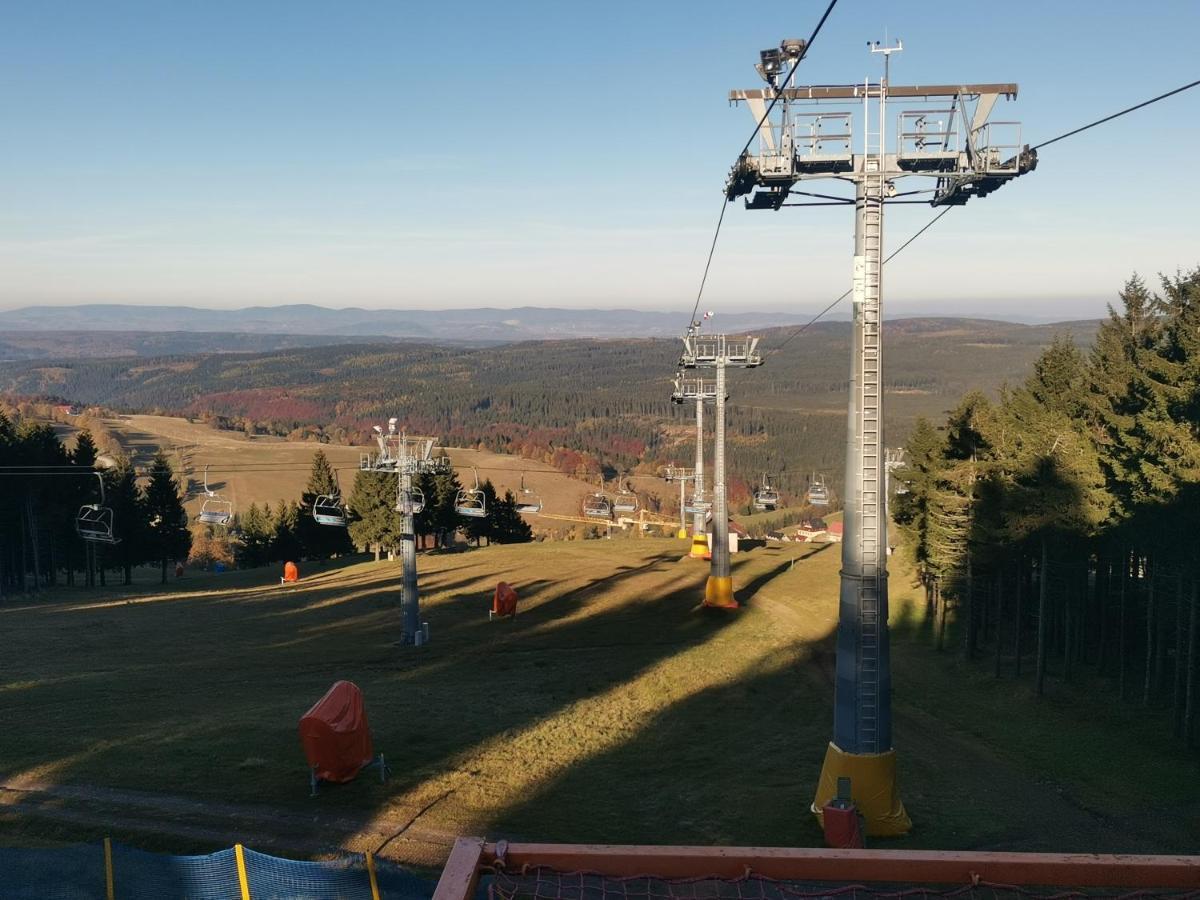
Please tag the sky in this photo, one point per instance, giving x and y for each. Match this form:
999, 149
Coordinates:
402, 154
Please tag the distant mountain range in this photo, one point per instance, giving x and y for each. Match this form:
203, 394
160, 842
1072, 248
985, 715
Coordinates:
441, 325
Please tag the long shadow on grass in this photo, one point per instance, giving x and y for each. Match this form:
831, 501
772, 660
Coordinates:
193, 702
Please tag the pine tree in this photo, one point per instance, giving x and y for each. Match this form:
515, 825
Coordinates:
167, 532
321, 541
125, 498
507, 525
286, 545
258, 537
477, 529
377, 524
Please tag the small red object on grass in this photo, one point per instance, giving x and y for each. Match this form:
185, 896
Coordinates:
504, 601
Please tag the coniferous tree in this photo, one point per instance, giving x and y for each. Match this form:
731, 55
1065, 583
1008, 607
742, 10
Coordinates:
321, 541
286, 546
168, 536
483, 527
376, 524
125, 498
508, 527
258, 537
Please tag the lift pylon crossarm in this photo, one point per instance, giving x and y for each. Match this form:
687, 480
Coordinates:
713, 350
1007, 90
953, 141
693, 388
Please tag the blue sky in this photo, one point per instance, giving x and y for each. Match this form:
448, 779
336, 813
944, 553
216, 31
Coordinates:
401, 154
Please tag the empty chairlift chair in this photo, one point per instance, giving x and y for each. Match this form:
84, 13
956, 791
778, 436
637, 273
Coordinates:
818, 495
626, 501
94, 521
766, 497
527, 500
329, 509
471, 502
418, 500
215, 510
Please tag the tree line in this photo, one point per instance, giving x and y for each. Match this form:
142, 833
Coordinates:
377, 525
44, 488
1057, 526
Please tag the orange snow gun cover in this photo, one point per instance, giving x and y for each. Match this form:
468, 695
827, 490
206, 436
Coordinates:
335, 734
504, 601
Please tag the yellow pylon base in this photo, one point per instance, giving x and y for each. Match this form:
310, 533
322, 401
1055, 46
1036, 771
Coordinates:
699, 547
682, 534
872, 787
718, 592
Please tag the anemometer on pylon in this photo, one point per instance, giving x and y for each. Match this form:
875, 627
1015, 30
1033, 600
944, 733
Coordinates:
945, 135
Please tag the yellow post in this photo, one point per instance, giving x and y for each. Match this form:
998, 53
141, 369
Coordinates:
371, 873
109, 890
243, 881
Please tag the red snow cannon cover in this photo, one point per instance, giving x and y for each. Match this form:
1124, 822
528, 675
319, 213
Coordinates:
843, 829
335, 735
504, 601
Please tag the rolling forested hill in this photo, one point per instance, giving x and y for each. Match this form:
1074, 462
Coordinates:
577, 404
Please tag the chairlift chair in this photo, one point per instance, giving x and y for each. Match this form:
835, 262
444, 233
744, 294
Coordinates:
94, 521
597, 506
626, 501
695, 504
328, 509
527, 500
817, 493
471, 502
766, 497
215, 510
417, 498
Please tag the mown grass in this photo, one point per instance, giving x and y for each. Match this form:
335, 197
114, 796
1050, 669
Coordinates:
611, 709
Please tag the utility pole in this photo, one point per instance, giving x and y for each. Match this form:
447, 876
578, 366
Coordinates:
406, 456
945, 136
701, 390
718, 351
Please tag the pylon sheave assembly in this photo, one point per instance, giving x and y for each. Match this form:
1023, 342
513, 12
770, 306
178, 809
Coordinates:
943, 133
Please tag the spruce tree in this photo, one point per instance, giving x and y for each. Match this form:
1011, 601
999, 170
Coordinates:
167, 532
508, 527
125, 498
258, 537
321, 541
376, 524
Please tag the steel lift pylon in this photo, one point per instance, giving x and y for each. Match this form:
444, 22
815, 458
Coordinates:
719, 352
406, 456
947, 137
701, 391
